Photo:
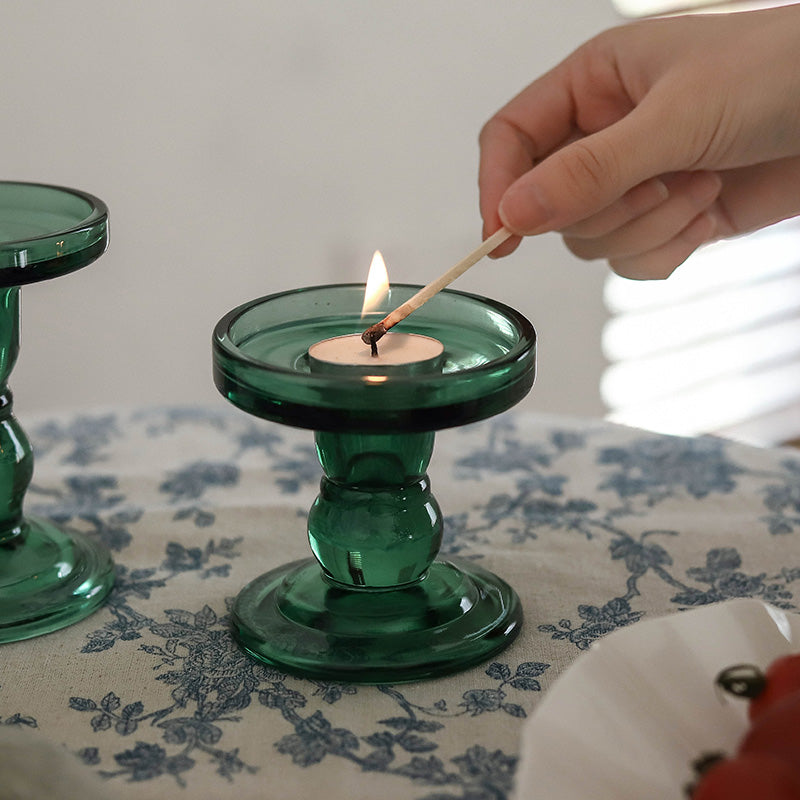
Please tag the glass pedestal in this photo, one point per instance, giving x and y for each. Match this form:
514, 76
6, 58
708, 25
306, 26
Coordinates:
374, 605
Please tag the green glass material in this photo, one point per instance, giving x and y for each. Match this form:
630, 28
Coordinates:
261, 361
48, 231
374, 605
49, 577
375, 522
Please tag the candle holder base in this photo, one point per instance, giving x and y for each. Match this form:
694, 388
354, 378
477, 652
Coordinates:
296, 619
50, 578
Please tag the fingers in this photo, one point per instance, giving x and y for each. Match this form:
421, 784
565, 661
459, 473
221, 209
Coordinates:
565, 148
652, 244
510, 146
588, 175
510, 157
508, 246
637, 201
580, 150
755, 196
506, 153
651, 239
689, 194
660, 262
537, 122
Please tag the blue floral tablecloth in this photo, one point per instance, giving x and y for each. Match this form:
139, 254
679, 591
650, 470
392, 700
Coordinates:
596, 526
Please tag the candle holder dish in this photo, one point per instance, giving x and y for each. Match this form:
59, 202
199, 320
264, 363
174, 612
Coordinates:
49, 577
374, 605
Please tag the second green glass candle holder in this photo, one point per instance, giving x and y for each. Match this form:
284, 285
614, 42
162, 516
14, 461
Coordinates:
374, 605
49, 577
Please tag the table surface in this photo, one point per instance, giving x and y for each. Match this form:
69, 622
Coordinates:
597, 526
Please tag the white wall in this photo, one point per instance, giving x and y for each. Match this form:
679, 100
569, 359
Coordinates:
253, 146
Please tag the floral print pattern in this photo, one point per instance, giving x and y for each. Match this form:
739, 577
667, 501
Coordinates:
583, 498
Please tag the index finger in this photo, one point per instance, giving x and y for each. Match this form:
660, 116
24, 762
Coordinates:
533, 124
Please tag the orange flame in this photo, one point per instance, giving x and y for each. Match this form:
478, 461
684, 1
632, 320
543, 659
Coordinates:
377, 284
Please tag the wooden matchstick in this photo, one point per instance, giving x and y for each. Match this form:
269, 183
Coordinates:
376, 331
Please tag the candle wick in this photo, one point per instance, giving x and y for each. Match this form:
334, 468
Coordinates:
373, 346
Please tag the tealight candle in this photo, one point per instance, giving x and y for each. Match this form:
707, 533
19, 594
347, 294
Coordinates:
405, 352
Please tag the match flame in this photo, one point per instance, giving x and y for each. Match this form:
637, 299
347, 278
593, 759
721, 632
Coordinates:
377, 284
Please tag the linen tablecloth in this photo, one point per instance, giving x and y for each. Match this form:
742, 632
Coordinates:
596, 526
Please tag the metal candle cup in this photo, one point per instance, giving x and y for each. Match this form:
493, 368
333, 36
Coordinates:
406, 353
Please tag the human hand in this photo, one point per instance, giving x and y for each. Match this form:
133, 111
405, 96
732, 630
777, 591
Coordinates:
651, 139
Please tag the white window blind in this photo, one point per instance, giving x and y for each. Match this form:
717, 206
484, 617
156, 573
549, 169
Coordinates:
716, 347
650, 8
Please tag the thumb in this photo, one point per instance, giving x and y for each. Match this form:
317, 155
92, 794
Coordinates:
588, 174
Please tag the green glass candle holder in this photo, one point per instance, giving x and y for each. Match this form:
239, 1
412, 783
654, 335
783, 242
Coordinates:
374, 605
49, 577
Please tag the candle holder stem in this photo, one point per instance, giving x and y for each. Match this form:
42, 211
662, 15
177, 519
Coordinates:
49, 578
16, 455
375, 522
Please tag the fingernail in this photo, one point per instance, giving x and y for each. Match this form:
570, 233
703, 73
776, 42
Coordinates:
711, 225
660, 188
523, 210
646, 196
705, 185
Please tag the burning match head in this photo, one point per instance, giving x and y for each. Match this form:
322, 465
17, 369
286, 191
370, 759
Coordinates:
372, 334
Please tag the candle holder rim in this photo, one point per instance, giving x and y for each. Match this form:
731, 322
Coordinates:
41, 261
223, 342
98, 213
